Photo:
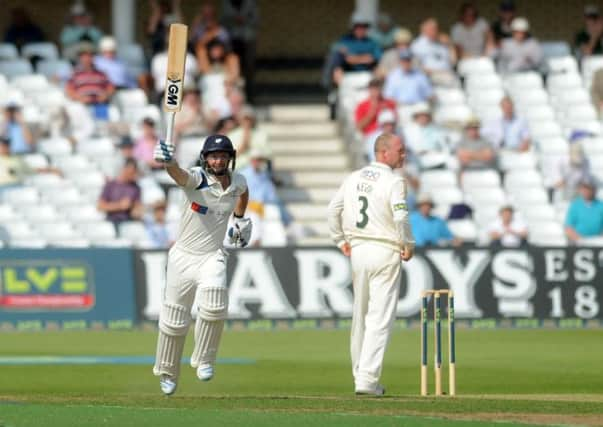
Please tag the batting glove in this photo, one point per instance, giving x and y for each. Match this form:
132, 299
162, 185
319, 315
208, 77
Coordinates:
240, 233
164, 152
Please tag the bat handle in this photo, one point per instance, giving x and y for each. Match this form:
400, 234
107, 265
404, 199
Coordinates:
169, 131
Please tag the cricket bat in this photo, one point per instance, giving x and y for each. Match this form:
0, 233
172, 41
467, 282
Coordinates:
175, 75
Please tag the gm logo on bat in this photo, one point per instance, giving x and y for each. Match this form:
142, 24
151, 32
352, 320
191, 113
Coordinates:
172, 92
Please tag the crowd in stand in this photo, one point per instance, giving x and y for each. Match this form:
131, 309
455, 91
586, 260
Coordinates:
410, 77
110, 92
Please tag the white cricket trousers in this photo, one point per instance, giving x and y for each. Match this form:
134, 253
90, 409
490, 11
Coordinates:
376, 277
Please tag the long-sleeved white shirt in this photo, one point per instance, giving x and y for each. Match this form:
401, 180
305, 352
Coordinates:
371, 205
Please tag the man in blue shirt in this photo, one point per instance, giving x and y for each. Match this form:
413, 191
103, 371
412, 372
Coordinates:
585, 214
16, 130
427, 228
407, 85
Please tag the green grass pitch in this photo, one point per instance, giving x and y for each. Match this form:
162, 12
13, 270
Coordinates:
302, 378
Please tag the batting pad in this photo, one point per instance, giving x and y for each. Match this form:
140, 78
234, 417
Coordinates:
174, 321
213, 303
212, 310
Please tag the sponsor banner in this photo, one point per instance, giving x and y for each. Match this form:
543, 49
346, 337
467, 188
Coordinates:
66, 289
533, 287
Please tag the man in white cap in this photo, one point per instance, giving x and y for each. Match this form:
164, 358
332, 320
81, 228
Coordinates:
426, 141
521, 52
111, 65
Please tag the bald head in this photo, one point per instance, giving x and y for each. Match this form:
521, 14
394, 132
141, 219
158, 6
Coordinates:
390, 150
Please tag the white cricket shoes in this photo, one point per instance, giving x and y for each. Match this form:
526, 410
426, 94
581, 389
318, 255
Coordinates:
167, 384
379, 390
205, 372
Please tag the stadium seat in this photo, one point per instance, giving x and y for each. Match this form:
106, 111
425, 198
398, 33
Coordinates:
28, 242
538, 212
135, 232
63, 196
8, 51
475, 66
73, 162
7, 213
589, 65
592, 146
72, 242
464, 229
55, 146
273, 234
15, 67
547, 233
555, 49
112, 243
529, 196
59, 230
434, 179
487, 197
447, 196
131, 54
539, 113
564, 81
517, 180
568, 98
530, 97
59, 69
100, 231
553, 145
486, 97
479, 179
84, 213
562, 64
41, 213
46, 50
523, 81
452, 114
30, 83
46, 181
21, 195
477, 82
448, 96
51, 98
545, 129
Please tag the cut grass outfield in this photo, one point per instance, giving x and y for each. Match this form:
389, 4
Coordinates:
303, 378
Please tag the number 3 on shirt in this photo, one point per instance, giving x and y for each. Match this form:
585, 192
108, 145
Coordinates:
363, 216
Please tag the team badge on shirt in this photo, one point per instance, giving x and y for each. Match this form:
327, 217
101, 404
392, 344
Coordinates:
198, 208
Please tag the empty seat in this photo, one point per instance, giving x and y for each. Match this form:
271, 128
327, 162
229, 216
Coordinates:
70, 242
135, 232
7, 213
531, 97
55, 68
74, 162
519, 179
55, 146
448, 196
523, 81
539, 113
15, 67
83, 213
434, 179
538, 212
480, 179
21, 195
31, 242
530, 196
30, 83
553, 145
511, 160
131, 54
450, 114
63, 196
493, 196
486, 97
545, 129
469, 66
446, 96
592, 146
562, 64
44, 181
46, 50
477, 82
464, 229
98, 231
41, 213
57, 231
8, 51
564, 81
350, 81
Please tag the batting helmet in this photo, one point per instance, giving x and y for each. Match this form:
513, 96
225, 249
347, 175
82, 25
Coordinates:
215, 143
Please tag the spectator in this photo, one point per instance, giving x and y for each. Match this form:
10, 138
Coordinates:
470, 34
596, 91
223, 107
521, 52
384, 33
589, 40
386, 123
21, 30
241, 19
509, 132
145, 144
126, 148
120, 198
355, 51
163, 13
249, 136
190, 120
508, 230
205, 27
391, 57
429, 229
585, 214
407, 85
225, 125
368, 110
214, 57
501, 27
435, 52
13, 169
570, 171
473, 152
80, 29
89, 85
159, 233
425, 140
159, 70
16, 131
114, 68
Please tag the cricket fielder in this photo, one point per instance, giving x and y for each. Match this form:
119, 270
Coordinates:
196, 268
368, 220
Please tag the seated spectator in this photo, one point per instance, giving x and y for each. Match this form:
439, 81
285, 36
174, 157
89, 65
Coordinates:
428, 229
163, 13
206, 27
426, 141
473, 152
570, 172
224, 107
159, 70
13, 169
190, 120
159, 233
145, 144
89, 85
470, 33
510, 132
21, 30
214, 57
501, 27
225, 125
80, 29
391, 57
120, 198
521, 52
355, 51
585, 214
407, 85
249, 136
15, 130
386, 123
596, 91
368, 110
508, 230
435, 52
384, 33
108, 63
589, 40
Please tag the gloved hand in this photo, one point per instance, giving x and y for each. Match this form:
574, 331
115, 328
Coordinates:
164, 152
240, 233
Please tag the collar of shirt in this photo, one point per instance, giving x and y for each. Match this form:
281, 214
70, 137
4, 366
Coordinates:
380, 165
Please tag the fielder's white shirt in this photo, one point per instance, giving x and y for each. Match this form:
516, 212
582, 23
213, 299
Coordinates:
206, 209
371, 205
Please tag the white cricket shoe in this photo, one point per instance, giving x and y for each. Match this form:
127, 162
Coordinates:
379, 390
167, 385
205, 372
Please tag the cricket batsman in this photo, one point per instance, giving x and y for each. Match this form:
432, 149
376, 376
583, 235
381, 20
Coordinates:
196, 268
368, 221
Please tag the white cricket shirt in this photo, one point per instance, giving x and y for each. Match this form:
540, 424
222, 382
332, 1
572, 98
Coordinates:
206, 209
371, 205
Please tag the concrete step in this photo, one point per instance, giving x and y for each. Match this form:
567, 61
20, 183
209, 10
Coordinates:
298, 131
305, 212
315, 195
315, 241
311, 179
299, 113
317, 228
297, 146
335, 163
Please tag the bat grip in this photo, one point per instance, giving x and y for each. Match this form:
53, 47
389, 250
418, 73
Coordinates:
169, 131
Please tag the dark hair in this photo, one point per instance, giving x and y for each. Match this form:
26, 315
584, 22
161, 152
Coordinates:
467, 6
